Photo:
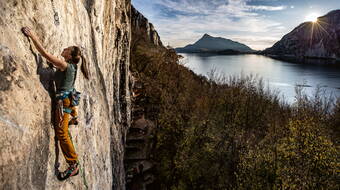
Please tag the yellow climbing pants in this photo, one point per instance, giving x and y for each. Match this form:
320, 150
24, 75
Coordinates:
62, 132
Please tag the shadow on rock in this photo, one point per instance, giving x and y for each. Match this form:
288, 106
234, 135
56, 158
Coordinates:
46, 77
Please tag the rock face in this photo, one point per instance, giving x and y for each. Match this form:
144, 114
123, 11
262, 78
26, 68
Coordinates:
28, 153
142, 27
214, 44
317, 40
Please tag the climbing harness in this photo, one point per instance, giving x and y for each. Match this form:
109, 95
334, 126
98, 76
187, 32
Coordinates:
60, 97
56, 16
63, 95
74, 97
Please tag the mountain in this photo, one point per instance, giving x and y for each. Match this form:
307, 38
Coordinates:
311, 40
214, 45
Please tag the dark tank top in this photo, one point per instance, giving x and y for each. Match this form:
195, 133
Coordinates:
64, 80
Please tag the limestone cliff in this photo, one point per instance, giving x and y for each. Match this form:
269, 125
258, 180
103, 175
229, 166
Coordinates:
27, 147
142, 27
318, 40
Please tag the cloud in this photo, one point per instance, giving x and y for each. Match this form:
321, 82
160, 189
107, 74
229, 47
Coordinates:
180, 22
234, 7
268, 8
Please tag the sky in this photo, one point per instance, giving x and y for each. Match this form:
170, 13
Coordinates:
256, 23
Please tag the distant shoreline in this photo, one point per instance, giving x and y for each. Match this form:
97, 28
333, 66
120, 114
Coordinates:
220, 52
306, 59
290, 59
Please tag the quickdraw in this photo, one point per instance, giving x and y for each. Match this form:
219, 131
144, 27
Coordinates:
56, 16
75, 98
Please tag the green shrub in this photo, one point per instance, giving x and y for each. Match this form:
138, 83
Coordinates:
303, 158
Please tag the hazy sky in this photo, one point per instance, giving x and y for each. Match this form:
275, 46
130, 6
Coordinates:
257, 23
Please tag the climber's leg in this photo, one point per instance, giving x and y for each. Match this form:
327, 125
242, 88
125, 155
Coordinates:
64, 137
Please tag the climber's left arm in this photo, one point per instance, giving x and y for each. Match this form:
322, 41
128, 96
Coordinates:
35, 40
53, 59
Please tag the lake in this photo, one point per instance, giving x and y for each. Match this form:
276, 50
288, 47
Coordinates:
279, 75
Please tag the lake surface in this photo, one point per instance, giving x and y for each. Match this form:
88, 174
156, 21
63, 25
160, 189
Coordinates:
279, 75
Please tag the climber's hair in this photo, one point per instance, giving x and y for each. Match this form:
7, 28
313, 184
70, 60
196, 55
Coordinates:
76, 55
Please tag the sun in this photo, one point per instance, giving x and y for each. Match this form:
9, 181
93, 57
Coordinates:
313, 17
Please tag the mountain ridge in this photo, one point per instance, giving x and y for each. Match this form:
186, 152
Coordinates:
210, 44
320, 40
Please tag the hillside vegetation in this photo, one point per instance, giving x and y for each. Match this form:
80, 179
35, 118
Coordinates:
233, 133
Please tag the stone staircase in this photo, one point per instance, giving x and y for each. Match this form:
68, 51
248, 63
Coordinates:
140, 141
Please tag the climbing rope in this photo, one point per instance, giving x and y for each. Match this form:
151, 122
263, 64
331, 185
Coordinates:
56, 16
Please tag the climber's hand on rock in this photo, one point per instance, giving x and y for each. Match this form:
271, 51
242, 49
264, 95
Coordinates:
27, 31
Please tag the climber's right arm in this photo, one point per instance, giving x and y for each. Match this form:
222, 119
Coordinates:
62, 65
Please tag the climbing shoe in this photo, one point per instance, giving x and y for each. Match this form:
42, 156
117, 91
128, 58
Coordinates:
72, 170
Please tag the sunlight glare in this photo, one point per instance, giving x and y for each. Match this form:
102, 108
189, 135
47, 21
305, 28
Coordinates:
312, 17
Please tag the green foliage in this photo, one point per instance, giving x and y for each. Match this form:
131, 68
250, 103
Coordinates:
302, 158
306, 158
232, 133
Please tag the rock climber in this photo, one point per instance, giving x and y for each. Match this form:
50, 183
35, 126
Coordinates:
67, 98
